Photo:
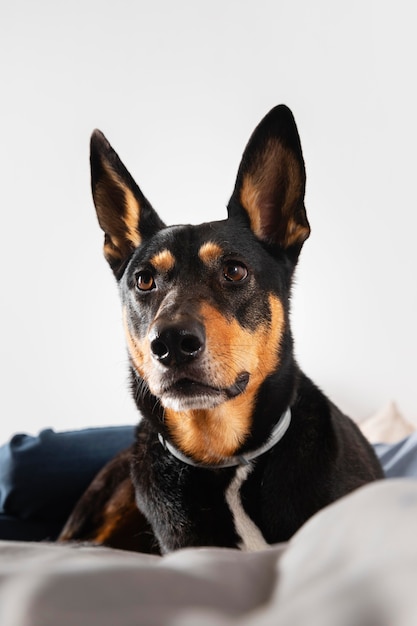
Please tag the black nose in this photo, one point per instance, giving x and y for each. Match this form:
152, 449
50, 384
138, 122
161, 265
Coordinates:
176, 343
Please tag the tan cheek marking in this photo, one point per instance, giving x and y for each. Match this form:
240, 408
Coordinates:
164, 261
212, 434
137, 351
210, 252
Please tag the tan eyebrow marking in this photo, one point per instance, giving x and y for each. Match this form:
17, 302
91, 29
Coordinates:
164, 261
210, 252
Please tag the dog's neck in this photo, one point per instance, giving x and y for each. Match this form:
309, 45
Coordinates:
277, 434
210, 435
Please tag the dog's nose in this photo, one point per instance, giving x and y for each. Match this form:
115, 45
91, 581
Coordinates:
176, 343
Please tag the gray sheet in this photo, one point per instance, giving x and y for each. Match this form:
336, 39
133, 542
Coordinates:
353, 564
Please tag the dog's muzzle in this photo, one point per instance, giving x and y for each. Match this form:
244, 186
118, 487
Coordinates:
194, 393
184, 380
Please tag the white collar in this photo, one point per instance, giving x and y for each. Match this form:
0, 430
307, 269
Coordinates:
277, 434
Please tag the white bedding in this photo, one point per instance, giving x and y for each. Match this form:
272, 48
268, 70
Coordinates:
352, 564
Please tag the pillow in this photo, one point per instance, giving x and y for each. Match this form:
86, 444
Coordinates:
399, 460
386, 426
41, 478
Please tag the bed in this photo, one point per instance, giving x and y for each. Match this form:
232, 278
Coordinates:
354, 563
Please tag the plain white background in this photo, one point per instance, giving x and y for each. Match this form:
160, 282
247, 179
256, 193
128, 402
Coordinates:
178, 87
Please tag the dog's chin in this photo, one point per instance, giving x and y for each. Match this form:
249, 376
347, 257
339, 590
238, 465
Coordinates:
187, 395
185, 403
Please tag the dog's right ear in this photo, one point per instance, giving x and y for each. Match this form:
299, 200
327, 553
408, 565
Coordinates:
123, 212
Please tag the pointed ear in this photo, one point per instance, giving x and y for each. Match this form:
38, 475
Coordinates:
123, 212
270, 184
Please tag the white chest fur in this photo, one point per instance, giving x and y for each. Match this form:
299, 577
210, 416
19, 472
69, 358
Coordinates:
251, 537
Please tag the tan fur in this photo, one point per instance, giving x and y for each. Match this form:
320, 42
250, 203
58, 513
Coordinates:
121, 224
111, 252
136, 348
209, 435
164, 261
249, 198
210, 252
296, 233
117, 511
131, 218
258, 186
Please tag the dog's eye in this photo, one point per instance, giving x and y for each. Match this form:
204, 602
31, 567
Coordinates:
145, 281
234, 271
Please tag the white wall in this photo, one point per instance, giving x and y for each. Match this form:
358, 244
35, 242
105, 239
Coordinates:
178, 87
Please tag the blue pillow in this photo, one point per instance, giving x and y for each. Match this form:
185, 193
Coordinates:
41, 478
399, 459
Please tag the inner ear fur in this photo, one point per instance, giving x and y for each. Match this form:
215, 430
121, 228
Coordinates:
123, 212
270, 184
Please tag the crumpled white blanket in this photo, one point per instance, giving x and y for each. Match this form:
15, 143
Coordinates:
352, 564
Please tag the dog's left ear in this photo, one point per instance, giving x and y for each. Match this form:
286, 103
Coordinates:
270, 184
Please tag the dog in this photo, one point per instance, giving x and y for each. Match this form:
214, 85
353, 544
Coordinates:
236, 446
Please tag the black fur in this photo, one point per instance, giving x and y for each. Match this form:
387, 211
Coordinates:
322, 455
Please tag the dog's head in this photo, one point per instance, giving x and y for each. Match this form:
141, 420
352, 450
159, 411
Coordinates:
206, 307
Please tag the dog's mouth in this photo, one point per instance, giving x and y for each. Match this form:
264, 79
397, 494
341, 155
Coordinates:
188, 393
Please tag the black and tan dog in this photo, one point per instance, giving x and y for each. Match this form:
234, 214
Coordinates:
236, 447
